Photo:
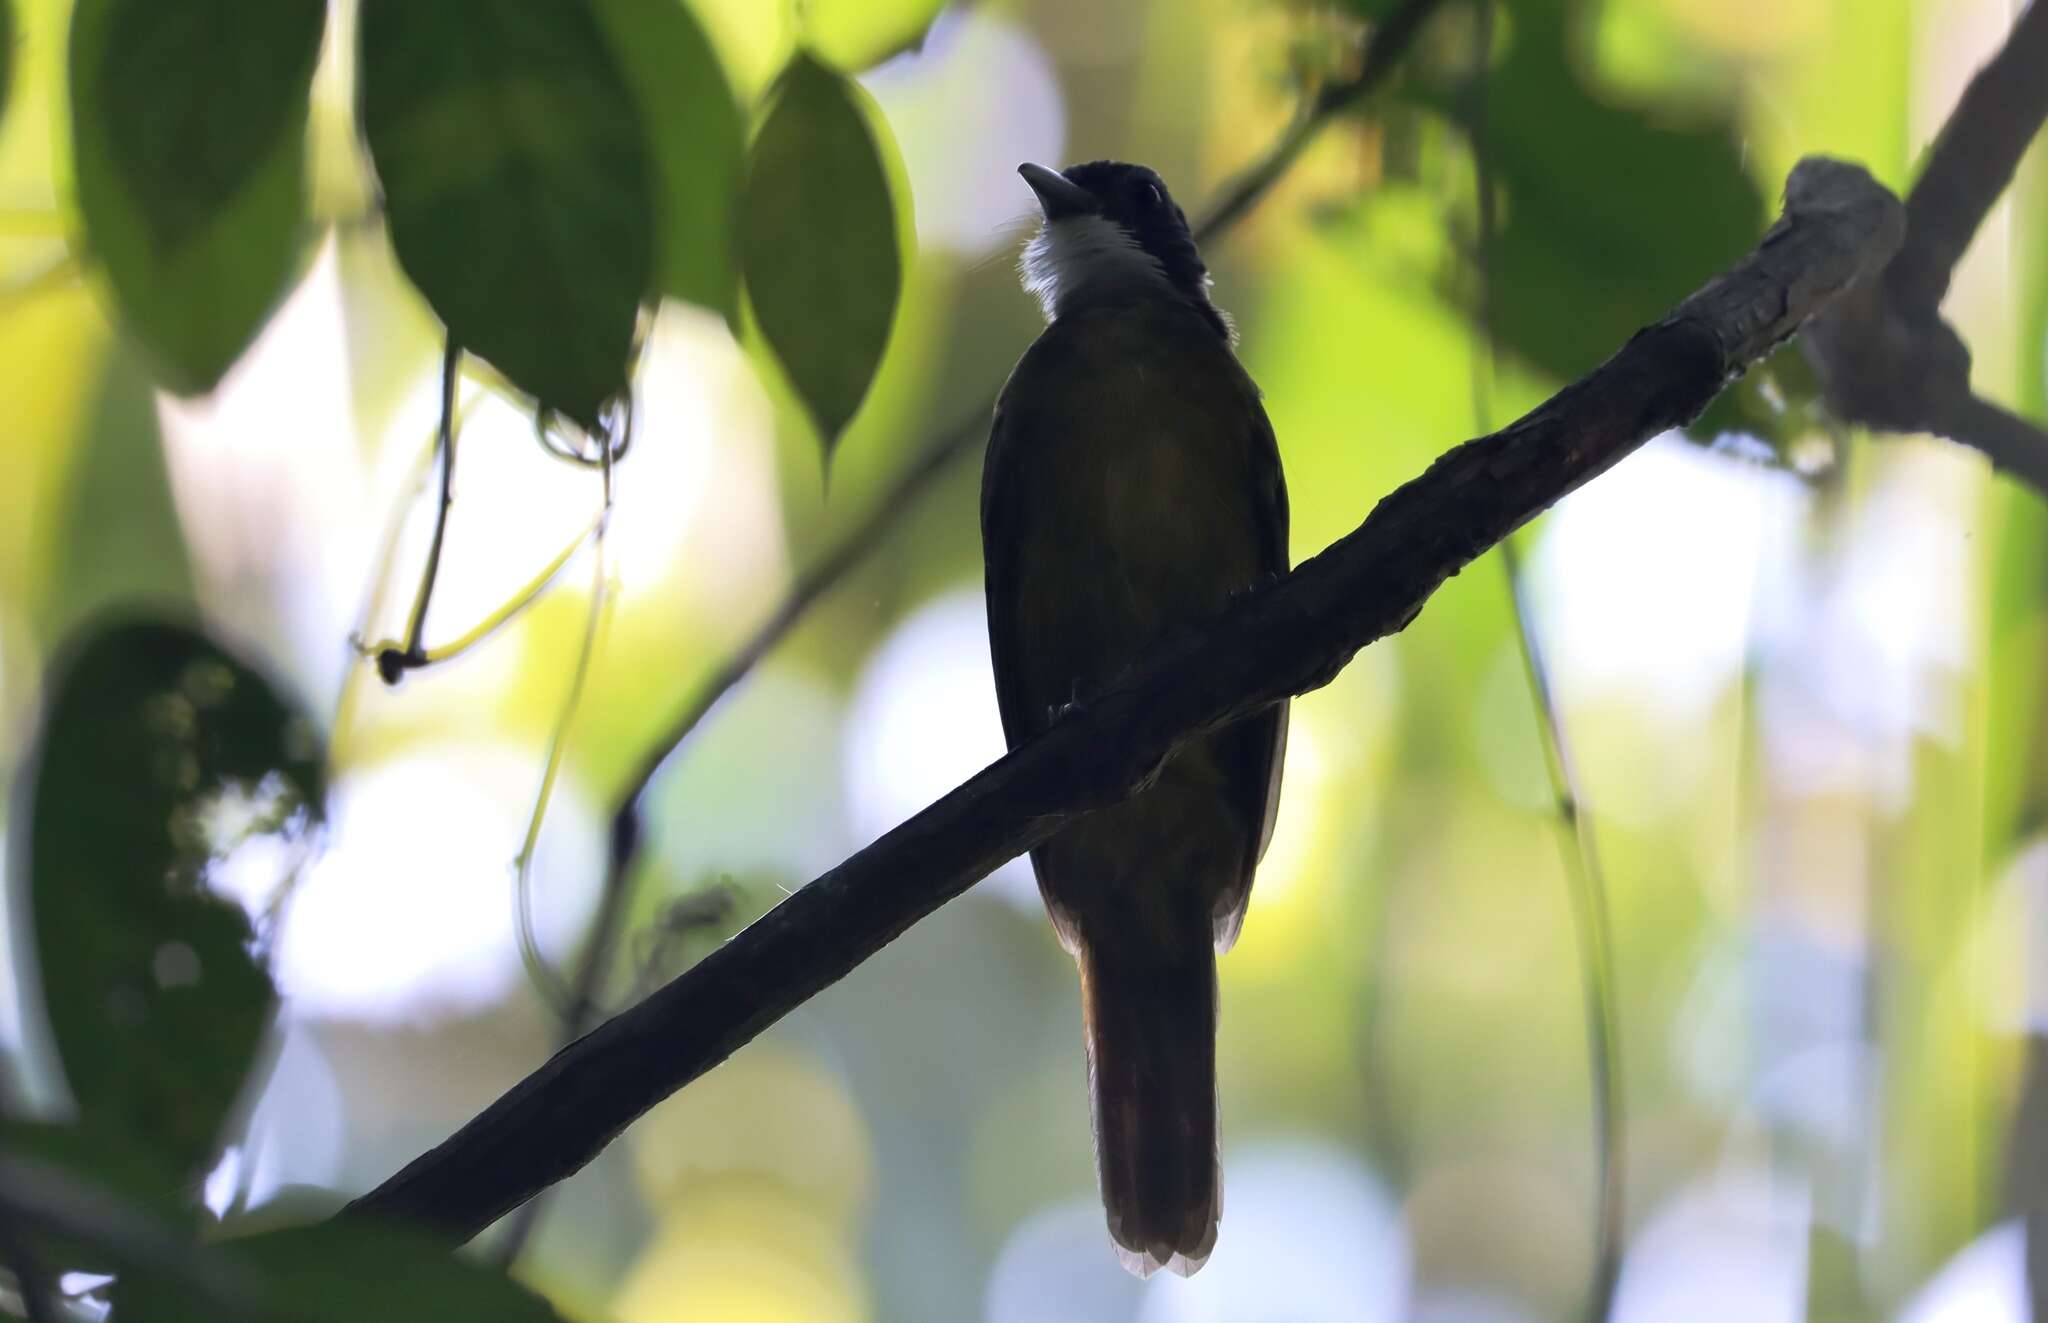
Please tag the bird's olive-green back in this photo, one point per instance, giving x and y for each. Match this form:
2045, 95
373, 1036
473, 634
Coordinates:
1133, 486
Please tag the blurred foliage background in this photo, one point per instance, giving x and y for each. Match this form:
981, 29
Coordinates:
1800, 667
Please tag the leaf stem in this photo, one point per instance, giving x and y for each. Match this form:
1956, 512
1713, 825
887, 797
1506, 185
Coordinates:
451, 366
1585, 881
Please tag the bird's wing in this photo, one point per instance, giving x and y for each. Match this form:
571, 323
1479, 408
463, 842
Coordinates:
1255, 748
1023, 695
1002, 505
1069, 605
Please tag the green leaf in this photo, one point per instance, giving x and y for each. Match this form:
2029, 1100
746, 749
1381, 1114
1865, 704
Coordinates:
517, 186
347, 1271
1610, 214
698, 143
197, 95
188, 133
818, 240
158, 753
856, 34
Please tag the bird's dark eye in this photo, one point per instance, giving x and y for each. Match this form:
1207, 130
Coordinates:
1151, 199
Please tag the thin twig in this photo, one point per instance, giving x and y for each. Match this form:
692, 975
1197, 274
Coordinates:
379, 583
1286, 637
522, 598
1586, 882
1973, 159
393, 663
2012, 443
1885, 357
813, 584
1585, 879
544, 976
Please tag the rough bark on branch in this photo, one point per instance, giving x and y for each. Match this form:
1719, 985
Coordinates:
1382, 53
1287, 637
1885, 357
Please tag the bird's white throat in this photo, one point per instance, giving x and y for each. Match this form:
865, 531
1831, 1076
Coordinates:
1081, 259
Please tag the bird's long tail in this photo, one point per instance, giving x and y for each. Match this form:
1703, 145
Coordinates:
1151, 1025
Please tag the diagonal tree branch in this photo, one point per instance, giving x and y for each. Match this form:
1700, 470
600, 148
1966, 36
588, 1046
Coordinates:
1287, 637
1389, 42
1885, 357
1973, 159
1384, 50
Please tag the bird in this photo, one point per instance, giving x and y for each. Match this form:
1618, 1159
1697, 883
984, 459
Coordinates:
1132, 488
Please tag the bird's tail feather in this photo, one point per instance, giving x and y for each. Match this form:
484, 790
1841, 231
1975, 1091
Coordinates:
1151, 1025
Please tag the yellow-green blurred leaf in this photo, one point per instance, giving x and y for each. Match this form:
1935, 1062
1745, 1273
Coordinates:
516, 182
768, 1113
698, 143
819, 241
188, 127
854, 34
158, 753
744, 1249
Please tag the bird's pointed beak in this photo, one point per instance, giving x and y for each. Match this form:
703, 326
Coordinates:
1058, 196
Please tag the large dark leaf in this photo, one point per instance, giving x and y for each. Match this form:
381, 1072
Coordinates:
188, 128
347, 1272
197, 95
516, 181
158, 752
1610, 213
819, 241
698, 142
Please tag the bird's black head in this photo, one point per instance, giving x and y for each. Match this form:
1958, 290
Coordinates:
1134, 199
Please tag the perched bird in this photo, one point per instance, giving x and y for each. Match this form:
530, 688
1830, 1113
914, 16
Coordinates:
1132, 487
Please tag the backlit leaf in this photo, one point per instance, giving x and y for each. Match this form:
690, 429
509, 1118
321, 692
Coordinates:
158, 754
188, 129
516, 183
819, 240
856, 34
698, 142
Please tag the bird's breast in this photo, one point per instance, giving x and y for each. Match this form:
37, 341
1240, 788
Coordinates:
1140, 445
